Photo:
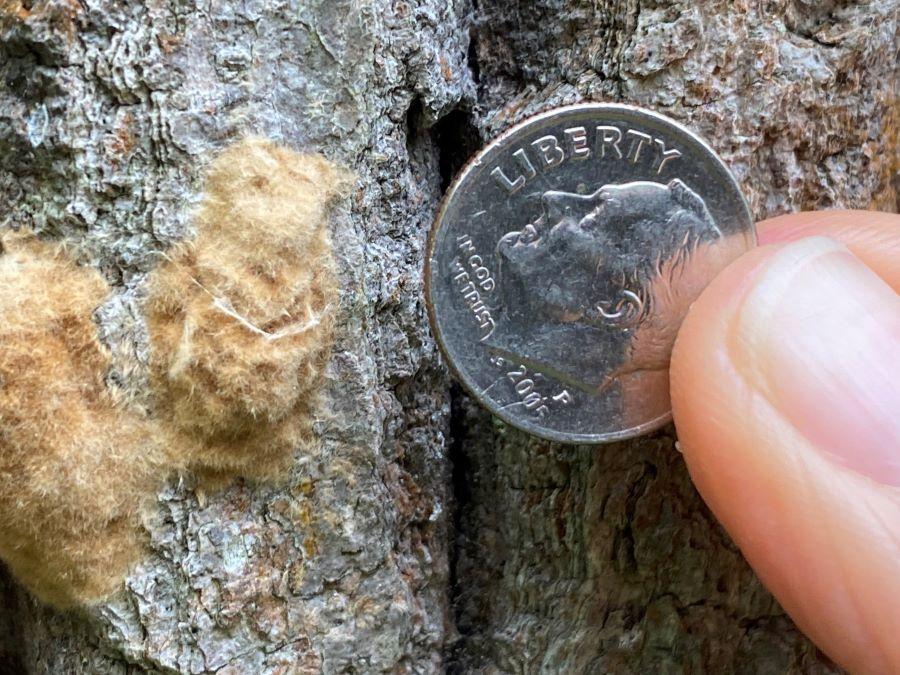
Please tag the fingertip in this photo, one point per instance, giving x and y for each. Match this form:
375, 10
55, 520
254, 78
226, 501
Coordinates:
872, 236
700, 351
817, 530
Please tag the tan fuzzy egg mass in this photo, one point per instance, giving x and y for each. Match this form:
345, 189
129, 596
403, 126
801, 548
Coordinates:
75, 469
240, 318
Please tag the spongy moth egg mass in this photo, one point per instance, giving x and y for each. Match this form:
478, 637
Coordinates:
240, 322
75, 468
241, 316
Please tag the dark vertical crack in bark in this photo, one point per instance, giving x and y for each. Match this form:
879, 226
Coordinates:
10, 629
462, 495
457, 139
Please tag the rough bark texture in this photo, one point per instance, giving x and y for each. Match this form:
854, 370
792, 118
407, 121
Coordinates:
421, 535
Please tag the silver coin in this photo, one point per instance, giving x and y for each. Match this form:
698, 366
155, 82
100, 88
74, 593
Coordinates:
564, 258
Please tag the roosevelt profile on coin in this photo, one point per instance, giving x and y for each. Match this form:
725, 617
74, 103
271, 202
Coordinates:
564, 258
579, 272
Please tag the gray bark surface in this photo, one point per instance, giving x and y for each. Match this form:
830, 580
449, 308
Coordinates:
421, 535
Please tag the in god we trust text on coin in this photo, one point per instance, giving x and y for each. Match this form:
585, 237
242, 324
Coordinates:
564, 258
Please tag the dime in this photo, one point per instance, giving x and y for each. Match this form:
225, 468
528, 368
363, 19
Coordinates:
564, 258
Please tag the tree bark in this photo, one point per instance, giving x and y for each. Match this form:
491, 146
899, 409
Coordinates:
421, 535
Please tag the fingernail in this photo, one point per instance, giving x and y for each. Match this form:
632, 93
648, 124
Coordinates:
819, 335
